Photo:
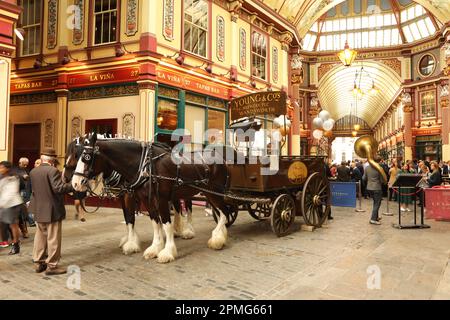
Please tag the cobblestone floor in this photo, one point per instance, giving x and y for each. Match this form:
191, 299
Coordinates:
329, 263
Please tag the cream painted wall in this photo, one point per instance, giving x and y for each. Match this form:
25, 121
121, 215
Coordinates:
218, 11
106, 108
243, 75
4, 103
33, 113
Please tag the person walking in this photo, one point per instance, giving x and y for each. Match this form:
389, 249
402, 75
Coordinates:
10, 204
47, 204
374, 182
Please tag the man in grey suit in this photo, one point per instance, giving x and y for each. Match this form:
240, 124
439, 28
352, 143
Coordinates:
374, 182
47, 204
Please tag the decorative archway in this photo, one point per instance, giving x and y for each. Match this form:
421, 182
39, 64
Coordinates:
336, 85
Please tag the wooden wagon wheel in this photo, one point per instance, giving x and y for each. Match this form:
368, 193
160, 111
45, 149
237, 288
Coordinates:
316, 197
231, 218
259, 211
282, 214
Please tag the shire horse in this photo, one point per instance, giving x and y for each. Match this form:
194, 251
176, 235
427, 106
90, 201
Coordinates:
130, 204
155, 180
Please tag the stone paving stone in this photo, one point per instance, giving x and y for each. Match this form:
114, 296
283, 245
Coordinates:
329, 263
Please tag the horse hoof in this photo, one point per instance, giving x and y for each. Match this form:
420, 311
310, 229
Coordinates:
216, 243
151, 252
130, 248
188, 234
123, 241
165, 258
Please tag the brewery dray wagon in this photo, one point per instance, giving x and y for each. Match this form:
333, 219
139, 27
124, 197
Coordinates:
279, 189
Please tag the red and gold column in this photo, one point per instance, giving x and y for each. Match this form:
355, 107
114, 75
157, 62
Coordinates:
9, 12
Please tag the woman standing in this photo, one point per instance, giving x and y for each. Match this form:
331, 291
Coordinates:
435, 178
10, 203
405, 195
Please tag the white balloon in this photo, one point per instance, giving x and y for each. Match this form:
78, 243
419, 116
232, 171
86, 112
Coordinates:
280, 121
317, 123
328, 125
317, 134
324, 115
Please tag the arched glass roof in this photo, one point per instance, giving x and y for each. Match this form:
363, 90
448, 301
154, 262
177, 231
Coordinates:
370, 24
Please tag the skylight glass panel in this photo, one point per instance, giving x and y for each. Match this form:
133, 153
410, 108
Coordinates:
411, 13
350, 24
415, 31
387, 37
379, 19
314, 27
329, 42
357, 23
419, 10
379, 38
351, 40
306, 40
408, 34
372, 38
323, 43
423, 28
372, 21
403, 16
365, 22
336, 26
395, 36
365, 39
387, 20
328, 26
430, 25
342, 24
312, 42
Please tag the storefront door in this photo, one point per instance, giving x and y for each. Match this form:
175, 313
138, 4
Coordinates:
27, 142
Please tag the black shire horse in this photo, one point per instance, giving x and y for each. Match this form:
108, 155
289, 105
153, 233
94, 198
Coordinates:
130, 242
132, 160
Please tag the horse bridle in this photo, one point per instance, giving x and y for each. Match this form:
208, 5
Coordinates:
88, 157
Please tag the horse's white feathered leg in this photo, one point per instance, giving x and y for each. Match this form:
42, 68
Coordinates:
157, 244
169, 252
132, 245
219, 234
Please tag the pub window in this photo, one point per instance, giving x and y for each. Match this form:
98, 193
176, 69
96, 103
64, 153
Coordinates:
428, 104
30, 21
105, 19
259, 55
167, 114
196, 26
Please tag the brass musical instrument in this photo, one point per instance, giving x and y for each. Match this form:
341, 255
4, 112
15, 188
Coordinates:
366, 147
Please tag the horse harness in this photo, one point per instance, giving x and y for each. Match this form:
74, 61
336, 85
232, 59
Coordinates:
145, 171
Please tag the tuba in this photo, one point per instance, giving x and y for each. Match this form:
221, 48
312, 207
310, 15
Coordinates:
365, 147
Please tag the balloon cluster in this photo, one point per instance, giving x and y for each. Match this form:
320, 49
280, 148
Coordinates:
283, 124
323, 125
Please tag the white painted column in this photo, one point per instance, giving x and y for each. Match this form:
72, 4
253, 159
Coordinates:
5, 68
146, 110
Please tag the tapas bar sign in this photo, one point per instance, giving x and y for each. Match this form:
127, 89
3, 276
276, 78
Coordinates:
19, 86
103, 77
190, 83
260, 103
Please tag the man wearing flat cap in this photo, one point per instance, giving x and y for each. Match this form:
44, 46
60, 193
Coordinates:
47, 204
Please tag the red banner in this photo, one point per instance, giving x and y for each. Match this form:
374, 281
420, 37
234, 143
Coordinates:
191, 83
103, 77
437, 202
23, 86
